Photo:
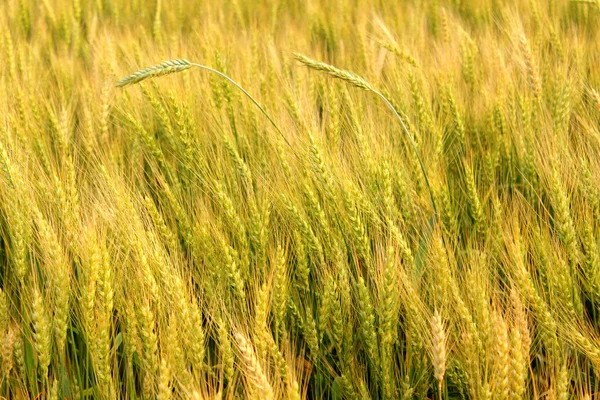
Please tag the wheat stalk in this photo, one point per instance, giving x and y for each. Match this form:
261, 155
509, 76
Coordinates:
178, 65
361, 83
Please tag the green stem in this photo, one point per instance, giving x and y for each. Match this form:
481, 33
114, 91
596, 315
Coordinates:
256, 103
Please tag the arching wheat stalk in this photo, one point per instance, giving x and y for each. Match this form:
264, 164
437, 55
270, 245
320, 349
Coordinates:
173, 66
361, 83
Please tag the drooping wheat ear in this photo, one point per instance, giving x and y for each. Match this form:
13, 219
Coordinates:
164, 68
403, 55
527, 289
54, 390
175, 351
280, 289
562, 383
260, 320
19, 354
438, 339
445, 26
196, 337
335, 72
77, 10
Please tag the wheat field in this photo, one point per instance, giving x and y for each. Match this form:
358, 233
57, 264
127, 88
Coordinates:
288, 199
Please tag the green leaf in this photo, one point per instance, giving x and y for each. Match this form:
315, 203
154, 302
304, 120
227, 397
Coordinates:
118, 340
336, 389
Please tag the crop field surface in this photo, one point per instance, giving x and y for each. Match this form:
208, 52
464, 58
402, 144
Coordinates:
288, 199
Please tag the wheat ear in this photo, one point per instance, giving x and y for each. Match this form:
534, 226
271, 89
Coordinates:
164, 68
342, 74
438, 339
256, 374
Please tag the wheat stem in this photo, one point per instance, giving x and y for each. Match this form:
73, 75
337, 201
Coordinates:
178, 65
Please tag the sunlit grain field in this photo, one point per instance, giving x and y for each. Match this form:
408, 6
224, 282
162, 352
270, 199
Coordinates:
334, 199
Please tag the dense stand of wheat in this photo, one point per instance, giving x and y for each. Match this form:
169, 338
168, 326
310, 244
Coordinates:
334, 199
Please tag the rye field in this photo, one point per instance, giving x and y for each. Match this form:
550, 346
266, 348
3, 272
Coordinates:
288, 199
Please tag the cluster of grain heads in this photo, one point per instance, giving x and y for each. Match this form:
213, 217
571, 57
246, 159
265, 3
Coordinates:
97, 294
162, 242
